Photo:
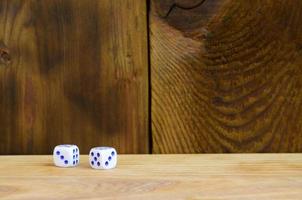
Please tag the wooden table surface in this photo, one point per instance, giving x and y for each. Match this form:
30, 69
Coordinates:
207, 176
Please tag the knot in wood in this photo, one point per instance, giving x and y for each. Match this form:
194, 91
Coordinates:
5, 57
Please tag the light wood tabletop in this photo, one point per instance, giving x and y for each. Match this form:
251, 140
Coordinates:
193, 177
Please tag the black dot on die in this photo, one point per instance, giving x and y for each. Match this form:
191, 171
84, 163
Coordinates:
112, 153
62, 157
106, 163
109, 158
92, 162
92, 154
98, 154
66, 162
98, 163
95, 158
58, 152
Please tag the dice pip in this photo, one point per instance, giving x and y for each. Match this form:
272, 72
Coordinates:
66, 155
102, 158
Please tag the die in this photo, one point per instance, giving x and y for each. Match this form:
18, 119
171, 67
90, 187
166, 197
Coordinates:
66, 155
103, 158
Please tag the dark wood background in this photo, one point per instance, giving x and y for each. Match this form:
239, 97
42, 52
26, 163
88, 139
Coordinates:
73, 71
161, 76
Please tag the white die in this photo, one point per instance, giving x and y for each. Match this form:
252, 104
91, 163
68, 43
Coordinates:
66, 155
102, 158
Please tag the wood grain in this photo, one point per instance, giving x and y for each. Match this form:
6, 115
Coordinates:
226, 76
73, 71
228, 176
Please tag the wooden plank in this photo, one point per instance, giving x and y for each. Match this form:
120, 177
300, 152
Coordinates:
226, 76
217, 176
73, 71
